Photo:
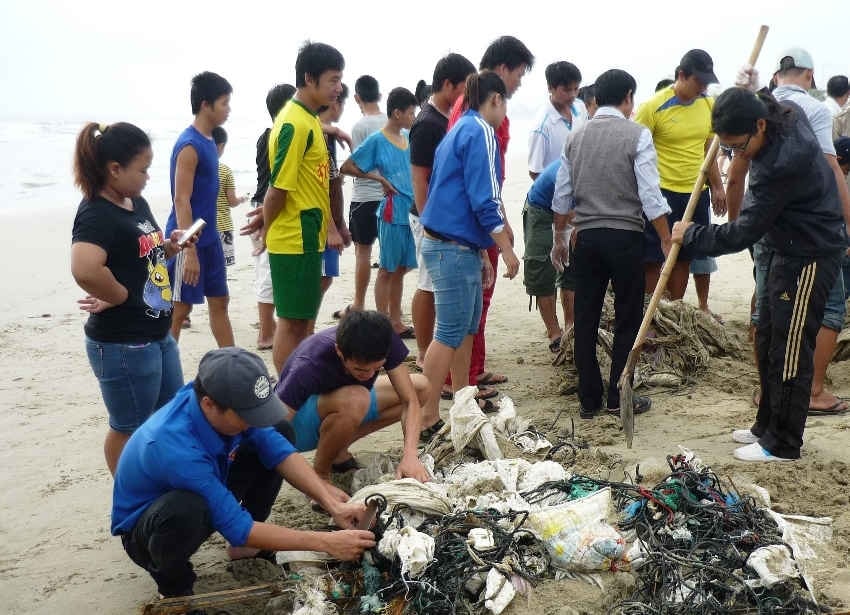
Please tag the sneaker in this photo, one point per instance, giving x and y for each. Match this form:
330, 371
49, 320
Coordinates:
755, 452
640, 404
744, 436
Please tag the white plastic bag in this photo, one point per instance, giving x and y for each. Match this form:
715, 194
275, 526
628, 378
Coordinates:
577, 534
414, 549
469, 425
498, 592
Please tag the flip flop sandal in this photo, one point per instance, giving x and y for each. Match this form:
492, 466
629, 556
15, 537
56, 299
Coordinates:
487, 406
834, 410
485, 392
447, 395
345, 466
555, 345
492, 378
428, 433
408, 334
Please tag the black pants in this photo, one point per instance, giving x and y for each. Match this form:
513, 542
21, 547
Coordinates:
790, 316
603, 255
177, 523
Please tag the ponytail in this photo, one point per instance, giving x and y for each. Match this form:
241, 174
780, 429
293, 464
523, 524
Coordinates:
99, 144
479, 87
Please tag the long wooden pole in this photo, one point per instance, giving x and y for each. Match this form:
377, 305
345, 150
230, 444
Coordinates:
625, 384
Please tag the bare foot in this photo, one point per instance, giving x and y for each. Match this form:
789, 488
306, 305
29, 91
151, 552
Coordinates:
264, 344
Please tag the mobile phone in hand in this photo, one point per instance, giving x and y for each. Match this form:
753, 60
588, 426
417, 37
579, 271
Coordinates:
190, 232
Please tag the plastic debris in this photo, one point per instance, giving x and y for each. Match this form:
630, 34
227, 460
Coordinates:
577, 535
470, 426
773, 564
414, 549
498, 593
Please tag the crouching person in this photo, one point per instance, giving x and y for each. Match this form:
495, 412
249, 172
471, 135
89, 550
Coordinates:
179, 475
331, 387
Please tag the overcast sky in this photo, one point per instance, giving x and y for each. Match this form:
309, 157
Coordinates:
114, 60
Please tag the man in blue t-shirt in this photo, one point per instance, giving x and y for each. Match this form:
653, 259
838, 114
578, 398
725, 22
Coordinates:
539, 276
331, 387
385, 157
200, 272
209, 460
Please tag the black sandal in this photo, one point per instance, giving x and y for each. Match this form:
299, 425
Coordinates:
428, 433
345, 466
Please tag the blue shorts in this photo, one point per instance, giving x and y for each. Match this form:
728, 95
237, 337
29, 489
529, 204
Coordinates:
212, 281
397, 246
135, 379
834, 310
458, 294
330, 263
678, 202
306, 423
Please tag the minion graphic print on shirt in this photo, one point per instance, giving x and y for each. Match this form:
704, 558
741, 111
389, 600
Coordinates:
157, 291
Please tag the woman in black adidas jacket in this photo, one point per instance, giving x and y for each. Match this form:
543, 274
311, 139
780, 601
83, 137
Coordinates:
794, 204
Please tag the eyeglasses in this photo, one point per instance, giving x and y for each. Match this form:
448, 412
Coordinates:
730, 150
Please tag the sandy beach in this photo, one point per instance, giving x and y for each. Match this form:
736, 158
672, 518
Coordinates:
57, 554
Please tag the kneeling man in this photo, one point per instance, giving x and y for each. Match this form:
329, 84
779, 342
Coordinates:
209, 460
331, 386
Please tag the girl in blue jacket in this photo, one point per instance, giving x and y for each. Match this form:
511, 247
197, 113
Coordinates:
462, 219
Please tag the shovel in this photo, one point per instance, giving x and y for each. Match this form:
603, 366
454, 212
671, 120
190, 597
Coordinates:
627, 414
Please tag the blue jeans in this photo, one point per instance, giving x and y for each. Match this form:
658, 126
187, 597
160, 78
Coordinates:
835, 309
458, 293
135, 379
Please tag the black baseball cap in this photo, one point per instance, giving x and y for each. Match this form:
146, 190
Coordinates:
237, 379
699, 63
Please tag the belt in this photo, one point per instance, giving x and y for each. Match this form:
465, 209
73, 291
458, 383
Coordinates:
439, 237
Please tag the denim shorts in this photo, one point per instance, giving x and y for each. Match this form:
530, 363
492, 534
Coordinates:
307, 423
458, 294
135, 379
835, 309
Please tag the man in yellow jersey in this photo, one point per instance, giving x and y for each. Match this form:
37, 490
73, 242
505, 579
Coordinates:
296, 218
679, 118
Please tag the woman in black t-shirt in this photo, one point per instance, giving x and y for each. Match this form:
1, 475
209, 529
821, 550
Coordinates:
118, 256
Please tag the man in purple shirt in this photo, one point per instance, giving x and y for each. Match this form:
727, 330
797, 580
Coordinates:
331, 387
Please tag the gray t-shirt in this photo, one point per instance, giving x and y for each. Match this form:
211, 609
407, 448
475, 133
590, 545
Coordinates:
818, 115
365, 190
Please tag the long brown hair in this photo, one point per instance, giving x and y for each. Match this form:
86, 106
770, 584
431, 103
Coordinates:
97, 145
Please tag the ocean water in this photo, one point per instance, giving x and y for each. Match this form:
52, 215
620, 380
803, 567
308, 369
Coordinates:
36, 157
36, 161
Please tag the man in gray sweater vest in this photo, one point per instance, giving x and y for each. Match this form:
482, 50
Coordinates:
608, 176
